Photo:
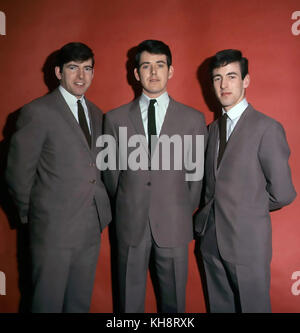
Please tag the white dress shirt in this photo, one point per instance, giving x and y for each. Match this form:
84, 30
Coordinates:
71, 100
161, 105
234, 115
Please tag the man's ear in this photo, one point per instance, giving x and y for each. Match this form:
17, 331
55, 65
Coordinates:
171, 72
246, 81
136, 74
57, 72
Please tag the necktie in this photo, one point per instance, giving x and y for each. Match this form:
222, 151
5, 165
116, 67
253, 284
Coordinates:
222, 131
151, 122
83, 123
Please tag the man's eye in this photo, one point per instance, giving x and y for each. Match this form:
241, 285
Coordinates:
88, 69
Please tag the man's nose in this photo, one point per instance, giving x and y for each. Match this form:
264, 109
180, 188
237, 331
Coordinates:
80, 73
153, 69
223, 83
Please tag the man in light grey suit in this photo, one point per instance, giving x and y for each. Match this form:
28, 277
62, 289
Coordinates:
153, 207
246, 176
53, 179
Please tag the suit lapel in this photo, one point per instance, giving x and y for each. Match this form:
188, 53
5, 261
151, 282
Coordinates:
214, 137
136, 119
235, 135
62, 107
169, 124
94, 124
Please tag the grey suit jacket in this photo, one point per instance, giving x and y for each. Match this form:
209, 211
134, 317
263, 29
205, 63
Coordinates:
162, 197
51, 171
253, 178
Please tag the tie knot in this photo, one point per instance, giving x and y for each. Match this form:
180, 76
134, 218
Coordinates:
152, 102
79, 101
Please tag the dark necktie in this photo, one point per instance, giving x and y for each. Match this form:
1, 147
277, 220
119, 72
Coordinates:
83, 123
222, 136
151, 122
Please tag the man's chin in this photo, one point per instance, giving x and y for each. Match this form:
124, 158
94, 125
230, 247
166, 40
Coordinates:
79, 92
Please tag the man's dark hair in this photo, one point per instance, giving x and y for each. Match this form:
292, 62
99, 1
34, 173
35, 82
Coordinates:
153, 47
226, 57
74, 52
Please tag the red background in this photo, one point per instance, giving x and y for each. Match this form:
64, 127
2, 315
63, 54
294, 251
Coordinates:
194, 30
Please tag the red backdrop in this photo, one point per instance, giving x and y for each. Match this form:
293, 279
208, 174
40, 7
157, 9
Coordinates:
195, 30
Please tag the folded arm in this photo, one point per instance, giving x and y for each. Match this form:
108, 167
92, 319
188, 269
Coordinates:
23, 157
274, 154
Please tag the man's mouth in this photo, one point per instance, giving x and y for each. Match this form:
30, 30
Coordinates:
225, 94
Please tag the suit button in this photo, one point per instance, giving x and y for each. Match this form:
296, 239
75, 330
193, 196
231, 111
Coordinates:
149, 183
93, 181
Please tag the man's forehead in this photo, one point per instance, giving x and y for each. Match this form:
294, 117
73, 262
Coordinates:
146, 56
233, 67
87, 62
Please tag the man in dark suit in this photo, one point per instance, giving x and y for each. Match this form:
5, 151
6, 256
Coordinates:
246, 175
154, 207
53, 179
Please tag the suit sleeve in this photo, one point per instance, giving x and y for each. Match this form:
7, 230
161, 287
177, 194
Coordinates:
196, 186
23, 157
111, 176
274, 153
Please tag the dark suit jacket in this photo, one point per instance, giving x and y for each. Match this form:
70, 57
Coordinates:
162, 197
253, 178
52, 173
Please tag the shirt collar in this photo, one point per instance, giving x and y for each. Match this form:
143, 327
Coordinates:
237, 110
70, 99
162, 100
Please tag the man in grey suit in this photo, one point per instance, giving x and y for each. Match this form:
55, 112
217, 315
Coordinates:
246, 175
53, 179
153, 207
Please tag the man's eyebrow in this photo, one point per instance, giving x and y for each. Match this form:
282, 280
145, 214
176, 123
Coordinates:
144, 63
227, 74
76, 65
157, 62
72, 64
232, 73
